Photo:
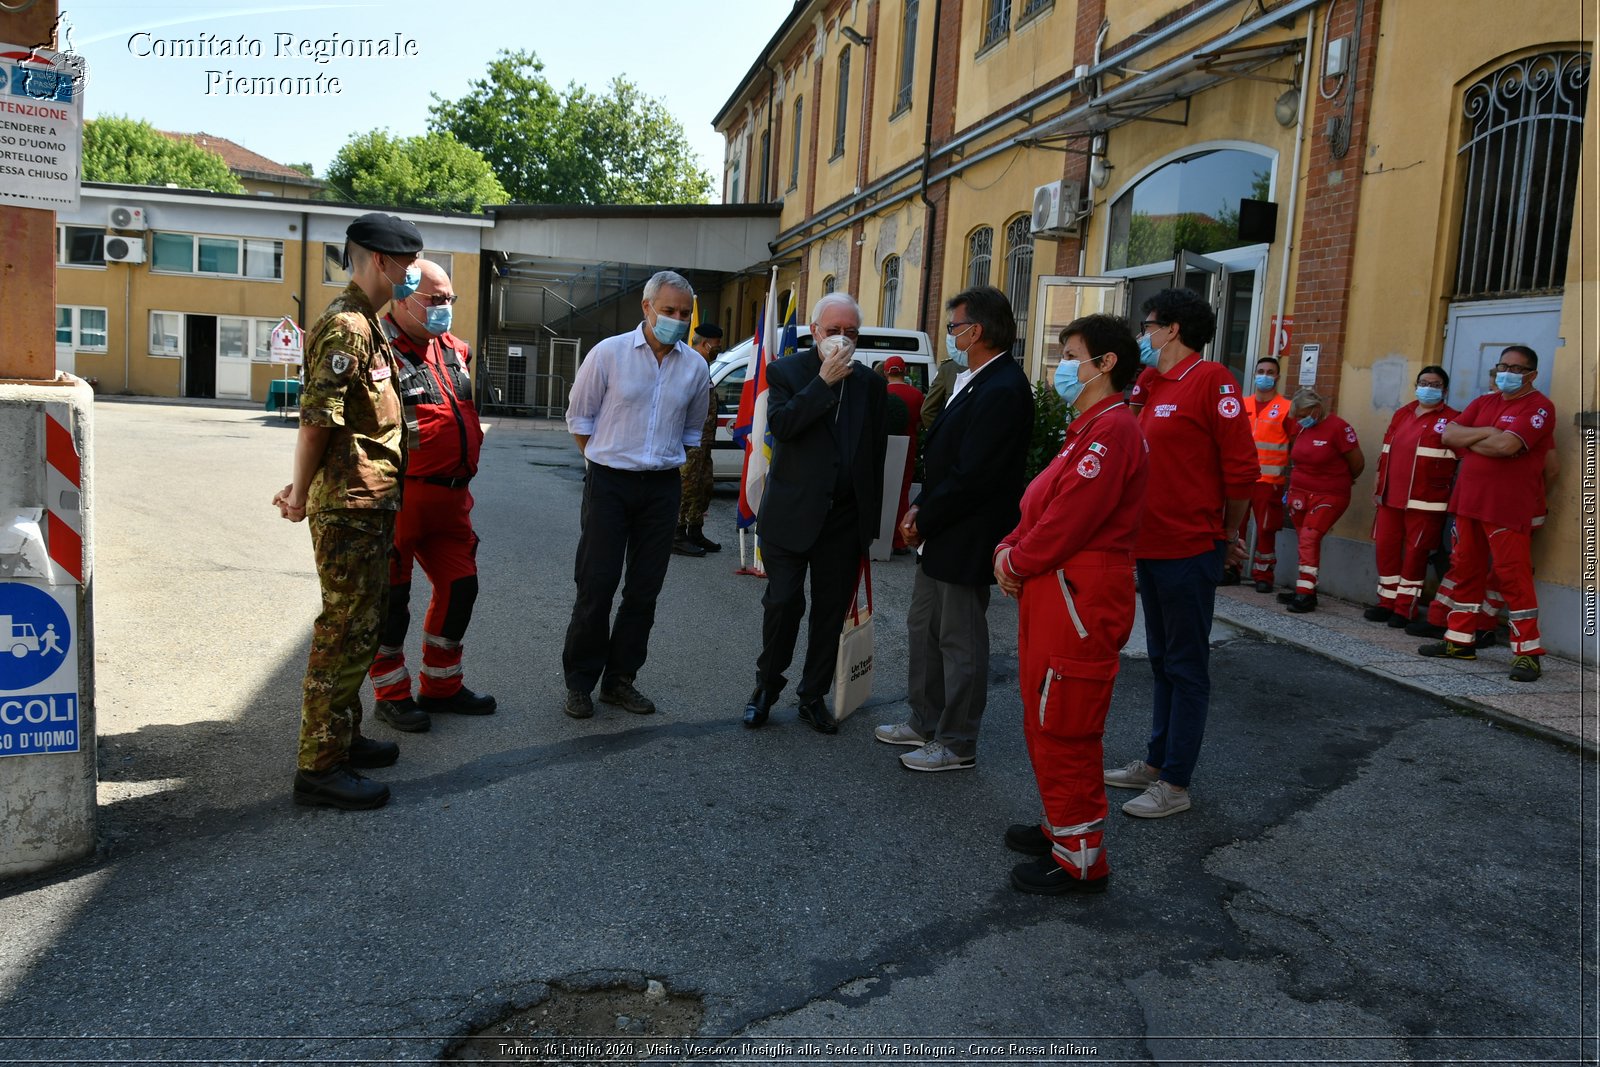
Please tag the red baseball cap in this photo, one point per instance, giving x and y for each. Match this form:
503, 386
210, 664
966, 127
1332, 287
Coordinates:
894, 364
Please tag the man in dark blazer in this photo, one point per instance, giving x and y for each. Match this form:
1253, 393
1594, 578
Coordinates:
822, 504
974, 458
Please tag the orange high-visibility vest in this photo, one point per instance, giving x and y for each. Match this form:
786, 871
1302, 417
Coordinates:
1272, 437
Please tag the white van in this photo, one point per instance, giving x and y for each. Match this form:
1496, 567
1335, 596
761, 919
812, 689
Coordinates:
876, 344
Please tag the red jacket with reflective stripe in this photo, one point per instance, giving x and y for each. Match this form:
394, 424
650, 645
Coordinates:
438, 397
1415, 470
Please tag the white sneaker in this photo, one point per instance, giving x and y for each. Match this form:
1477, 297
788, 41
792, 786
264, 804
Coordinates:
933, 756
899, 733
1157, 802
1135, 775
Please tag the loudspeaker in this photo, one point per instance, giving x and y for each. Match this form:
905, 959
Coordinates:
1258, 222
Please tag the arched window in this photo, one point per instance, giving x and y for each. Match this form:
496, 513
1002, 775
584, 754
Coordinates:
891, 291
827, 284
1190, 205
1019, 273
796, 135
1523, 136
841, 107
980, 250
908, 57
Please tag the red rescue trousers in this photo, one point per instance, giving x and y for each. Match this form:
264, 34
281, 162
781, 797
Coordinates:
1404, 538
1314, 515
1266, 508
434, 528
1072, 624
1484, 552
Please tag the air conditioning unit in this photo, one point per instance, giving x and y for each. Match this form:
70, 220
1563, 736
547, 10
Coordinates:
126, 217
1055, 209
124, 249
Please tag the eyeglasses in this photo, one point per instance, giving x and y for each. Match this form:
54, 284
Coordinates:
1501, 368
952, 327
437, 300
1151, 324
837, 331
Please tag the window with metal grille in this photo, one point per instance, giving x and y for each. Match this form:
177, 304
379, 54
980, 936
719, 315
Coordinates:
827, 285
997, 23
1033, 7
841, 109
980, 249
908, 57
1523, 137
891, 291
1019, 274
794, 153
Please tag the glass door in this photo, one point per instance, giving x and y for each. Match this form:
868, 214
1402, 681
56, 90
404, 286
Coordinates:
1058, 300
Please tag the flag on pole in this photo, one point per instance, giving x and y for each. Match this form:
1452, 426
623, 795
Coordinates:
750, 427
694, 320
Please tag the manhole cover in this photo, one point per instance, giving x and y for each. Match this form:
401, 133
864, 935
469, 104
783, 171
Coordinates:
611, 1024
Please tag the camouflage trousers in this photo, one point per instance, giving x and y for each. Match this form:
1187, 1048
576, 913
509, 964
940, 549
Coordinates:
696, 488
351, 547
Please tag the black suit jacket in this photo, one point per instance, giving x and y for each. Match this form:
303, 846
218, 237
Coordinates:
806, 431
974, 457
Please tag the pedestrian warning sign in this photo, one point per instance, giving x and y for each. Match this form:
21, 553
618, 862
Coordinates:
38, 669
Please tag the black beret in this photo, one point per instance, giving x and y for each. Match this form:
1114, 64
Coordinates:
385, 234
709, 330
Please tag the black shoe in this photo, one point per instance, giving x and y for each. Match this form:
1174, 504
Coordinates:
683, 546
578, 704
1263, 587
1398, 621
1027, 839
1302, 603
1448, 650
403, 714
756, 710
1486, 639
1287, 598
463, 702
815, 714
1421, 627
1047, 877
1378, 613
339, 788
1525, 669
698, 536
1231, 576
366, 752
620, 691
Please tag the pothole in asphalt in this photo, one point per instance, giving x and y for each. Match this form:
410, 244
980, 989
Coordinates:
609, 1024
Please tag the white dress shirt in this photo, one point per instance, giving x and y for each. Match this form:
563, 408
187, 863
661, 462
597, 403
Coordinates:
639, 413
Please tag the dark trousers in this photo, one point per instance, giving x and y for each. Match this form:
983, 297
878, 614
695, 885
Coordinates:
1179, 596
628, 519
835, 563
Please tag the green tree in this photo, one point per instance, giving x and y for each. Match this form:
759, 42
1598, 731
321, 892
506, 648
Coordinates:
128, 152
576, 147
433, 171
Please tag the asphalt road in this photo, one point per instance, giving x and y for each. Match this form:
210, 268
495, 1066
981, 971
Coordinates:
1365, 876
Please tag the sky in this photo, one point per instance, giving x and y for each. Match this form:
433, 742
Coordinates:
690, 55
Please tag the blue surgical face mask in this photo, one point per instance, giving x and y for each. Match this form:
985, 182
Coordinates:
1067, 385
1265, 383
669, 331
1307, 422
1508, 381
1149, 354
438, 319
958, 357
404, 289
1429, 395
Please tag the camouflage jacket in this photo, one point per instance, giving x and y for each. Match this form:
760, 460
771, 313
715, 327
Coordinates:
350, 387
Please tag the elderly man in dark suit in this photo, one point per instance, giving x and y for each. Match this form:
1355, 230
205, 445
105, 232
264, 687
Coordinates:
822, 504
975, 460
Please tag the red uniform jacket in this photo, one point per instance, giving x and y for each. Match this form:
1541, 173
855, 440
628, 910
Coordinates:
1415, 470
1506, 491
438, 401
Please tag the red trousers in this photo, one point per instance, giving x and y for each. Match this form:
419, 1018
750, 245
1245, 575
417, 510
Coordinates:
1483, 553
1404, 538
1072, 626
434, 528
1314, 515
1266, 508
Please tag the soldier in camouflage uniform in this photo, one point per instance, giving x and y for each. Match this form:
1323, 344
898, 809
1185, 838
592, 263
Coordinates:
689, 539
349, 457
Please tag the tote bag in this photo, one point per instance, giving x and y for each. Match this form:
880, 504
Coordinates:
852, 671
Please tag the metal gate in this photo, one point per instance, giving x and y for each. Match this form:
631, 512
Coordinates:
528, 376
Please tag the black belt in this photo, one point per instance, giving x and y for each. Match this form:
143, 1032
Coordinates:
448, 483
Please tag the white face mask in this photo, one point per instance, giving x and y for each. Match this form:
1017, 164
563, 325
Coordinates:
828, 346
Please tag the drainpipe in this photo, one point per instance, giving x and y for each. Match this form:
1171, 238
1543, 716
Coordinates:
931, 214
127, 325
1294, 175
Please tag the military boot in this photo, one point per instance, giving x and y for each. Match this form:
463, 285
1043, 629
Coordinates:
683, 545
698, 536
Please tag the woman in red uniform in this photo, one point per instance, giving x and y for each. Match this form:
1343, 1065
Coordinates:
1415, 472
1069, 564
1325, 461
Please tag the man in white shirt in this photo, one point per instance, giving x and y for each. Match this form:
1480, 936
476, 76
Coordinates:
637, 404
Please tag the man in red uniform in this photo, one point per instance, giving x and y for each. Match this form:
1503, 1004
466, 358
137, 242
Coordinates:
434, 526
1502, 439
1415, 473
1202, 471
894, 369
1326, 461
1273, 427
